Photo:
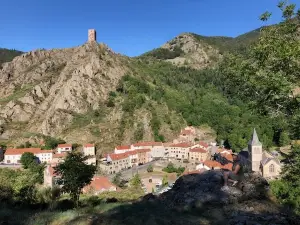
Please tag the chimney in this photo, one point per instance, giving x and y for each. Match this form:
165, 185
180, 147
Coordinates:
92, 36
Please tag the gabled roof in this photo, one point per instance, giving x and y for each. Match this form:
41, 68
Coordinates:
123, 147
20, 151
182, 145
60, 155
89, 145
143, 150
200, 150
254, 140
141, 144
204, 144
99, 183
115, 156
64, 146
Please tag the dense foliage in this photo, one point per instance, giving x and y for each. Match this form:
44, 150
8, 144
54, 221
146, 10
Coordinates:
163, 53
287, 190
172, 169
74, 174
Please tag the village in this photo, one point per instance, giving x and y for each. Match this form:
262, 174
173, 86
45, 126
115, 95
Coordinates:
185, 152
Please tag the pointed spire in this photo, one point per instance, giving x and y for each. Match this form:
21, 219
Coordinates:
254, 140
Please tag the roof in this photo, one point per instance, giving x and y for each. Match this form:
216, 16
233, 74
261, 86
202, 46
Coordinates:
182, 145
200, 150
61, 155
168, 144
100, 183
89, 145
204, 144
214, 164
143, 150
141, 144
64, 146
254, 140
133, 152
115, 156
20, 151
224, 151
123, 147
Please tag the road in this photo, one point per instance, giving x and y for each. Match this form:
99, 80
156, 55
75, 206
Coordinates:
127, 174
14, 166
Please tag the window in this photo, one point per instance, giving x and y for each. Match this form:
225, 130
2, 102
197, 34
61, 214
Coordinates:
272, 168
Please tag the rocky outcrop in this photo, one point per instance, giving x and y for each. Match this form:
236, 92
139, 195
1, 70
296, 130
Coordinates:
46, 88
196, 54
201, 195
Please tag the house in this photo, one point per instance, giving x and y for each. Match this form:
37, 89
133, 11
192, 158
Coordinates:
98, 185
64, 148
89, 150
212, 164
157, 148
58, 157
144, 156
49, 176
13, 156
270, 166
203, 145
114, 163
133, 158
198, 154
122, 149
180, 150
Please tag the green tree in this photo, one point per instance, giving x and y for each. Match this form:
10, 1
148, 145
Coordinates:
150, 169
136, 181
27, 159
74, 174
284, 139
118, 180
165, 181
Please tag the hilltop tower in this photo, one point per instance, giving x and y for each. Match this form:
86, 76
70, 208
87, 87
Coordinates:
255, 152
92, 35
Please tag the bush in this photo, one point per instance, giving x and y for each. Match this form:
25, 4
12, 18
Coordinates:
172, 169
150, 169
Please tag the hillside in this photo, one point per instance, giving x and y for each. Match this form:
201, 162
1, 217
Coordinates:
198, 52
6, 55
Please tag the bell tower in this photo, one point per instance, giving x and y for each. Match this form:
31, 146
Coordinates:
255, 152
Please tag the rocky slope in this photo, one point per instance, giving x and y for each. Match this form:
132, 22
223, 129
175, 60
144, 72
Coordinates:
45, 89
65, 93
198, 199
7, 55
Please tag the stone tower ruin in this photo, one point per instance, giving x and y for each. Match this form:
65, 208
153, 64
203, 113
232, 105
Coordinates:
92, 36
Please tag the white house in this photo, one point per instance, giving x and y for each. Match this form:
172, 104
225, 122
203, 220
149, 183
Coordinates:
13, 156
89, 149
64, 148
122, 149
157, 148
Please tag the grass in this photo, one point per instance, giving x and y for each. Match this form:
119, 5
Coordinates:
18, 93
92, 116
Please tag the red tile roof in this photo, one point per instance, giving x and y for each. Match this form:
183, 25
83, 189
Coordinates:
214, 164
123, 147
64, 146
120, 156
143, 150
141, 144
182, 145
200, 150
89, 145
99, 183
20, 151
133, 152
202, 143
57, 155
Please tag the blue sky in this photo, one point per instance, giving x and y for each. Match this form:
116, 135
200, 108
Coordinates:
129, 27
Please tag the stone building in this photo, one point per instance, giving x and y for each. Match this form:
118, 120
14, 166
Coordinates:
255, 152
92, 35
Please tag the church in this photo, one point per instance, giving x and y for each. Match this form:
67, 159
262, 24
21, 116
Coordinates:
263, 162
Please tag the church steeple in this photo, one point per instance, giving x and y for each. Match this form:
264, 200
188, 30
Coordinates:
254, 141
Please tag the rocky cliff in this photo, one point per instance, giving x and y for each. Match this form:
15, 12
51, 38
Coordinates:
43, 90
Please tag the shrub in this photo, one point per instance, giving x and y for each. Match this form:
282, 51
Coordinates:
150, 169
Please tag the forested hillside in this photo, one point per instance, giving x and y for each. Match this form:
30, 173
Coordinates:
7, 55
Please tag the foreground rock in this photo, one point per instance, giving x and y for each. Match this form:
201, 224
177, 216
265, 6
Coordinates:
248, 203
